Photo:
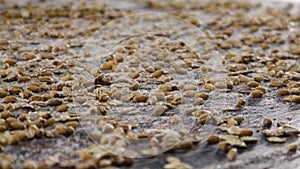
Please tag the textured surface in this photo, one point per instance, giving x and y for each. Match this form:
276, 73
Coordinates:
242, 29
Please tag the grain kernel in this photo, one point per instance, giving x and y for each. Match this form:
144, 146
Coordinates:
150, 69
241, 102
34, 88
224, 146
36, 98
73, 124
275, 83
159, 110
15, 90
209, 87
265, 46
220, 85
292, 147
213, 139
21, 136
23, 79
249, 139
3, 74
290, 130
283, 92
116, 95
49, 122
2, 107
234, 130
46, 79
295, 91
28, 164
203, 118
245, 132
29, 57
6, 164
3, 141
10, 62
105, 163
26, 94
63, 130
262, 89
133, 75
5, 114
3, 94
46, 56
17, 125
232, 122
198, 101
165, 88
157, 74
189, 87
181, 71
134, 86
9, 99
296, 51
294, 99
67, 78
107, 66
4, 42
267, 123
140, 98
108, 128
185, 144
119, 59
256, 94
253, 84
258, 78
62, 108
225, 45
54, 102
244, 79
174, 119
189, 93
152, 100
276, 140
202, 95
232, 154
13, 139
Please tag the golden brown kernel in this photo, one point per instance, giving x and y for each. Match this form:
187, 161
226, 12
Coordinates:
62, 108
256, 94
232, 154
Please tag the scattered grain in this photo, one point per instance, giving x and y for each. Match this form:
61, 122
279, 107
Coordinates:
213, 139
159, 110
283, 92
294, 91
246, 132
292, 147
29, 164
62, 108
294, 99
241, 102
267, 123
276, 140
181, 71
256, 94
232, 154
209, 87
9, 99
157, 74
54, 102
140, 98
253, 84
